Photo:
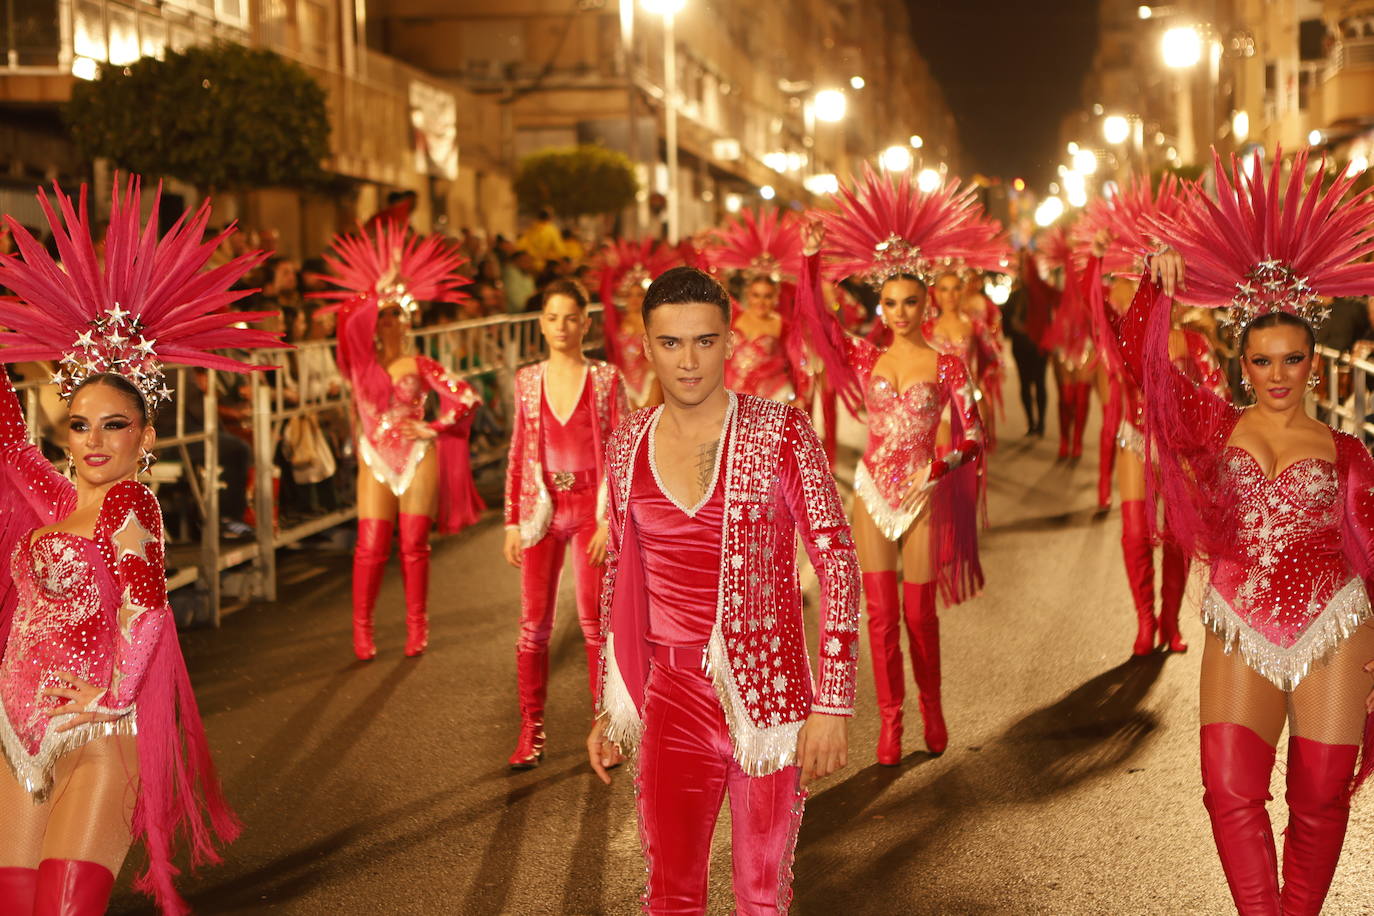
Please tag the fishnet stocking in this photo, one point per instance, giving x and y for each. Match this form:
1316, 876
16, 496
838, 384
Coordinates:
1328, 706
89, 815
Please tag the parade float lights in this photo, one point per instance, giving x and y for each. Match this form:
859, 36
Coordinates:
896, 158
830, 105
927, 180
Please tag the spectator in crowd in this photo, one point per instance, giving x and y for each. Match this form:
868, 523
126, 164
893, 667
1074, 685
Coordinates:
518, 280
542, 240
1348, 322
573, 249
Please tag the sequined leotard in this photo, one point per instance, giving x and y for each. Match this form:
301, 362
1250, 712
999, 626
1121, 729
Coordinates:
1287, 555
93, 607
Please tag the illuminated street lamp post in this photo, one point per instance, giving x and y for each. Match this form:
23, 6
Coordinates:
1183, 47
669, 9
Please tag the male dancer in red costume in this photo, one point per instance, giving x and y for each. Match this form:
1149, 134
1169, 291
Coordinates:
565, 409
706, 664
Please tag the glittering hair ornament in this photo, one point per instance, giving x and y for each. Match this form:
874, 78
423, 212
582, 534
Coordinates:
150, 302
1256, 249
884, 227
764, 245
384, 265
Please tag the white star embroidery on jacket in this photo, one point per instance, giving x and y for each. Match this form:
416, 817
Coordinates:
131, 538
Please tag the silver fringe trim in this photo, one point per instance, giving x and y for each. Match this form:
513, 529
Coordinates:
624, 727
1286, 668
1131, 438
892, 523
35, 773
758, 751
536, 525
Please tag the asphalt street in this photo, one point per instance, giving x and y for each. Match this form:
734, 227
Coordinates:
1070, 785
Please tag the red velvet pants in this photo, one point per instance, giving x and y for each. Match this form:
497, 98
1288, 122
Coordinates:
541, 569
686, 768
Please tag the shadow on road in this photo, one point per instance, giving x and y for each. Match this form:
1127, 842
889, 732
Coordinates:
1092, 731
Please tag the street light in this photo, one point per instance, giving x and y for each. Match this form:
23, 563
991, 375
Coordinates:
1315, 138
1240, 126
1085, 161
767, 192
856, 82
830, 105
669, 9
1115, 129
917, 142
1182, 47
1049, 210
927, 180
896, 158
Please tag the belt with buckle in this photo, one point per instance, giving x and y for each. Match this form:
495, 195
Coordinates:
564, 481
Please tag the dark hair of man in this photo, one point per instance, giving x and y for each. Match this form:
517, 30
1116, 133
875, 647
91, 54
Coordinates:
686, 286
123, 386
1278, 319
570, 288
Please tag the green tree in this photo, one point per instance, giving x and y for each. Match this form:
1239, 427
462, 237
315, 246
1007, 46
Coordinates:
576, 181
220, 117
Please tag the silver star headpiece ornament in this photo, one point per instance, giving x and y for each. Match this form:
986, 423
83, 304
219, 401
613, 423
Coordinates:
638, 275
396, 294
1273, 286
892, 257
114, 344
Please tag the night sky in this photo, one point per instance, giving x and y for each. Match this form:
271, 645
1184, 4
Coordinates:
1010, 70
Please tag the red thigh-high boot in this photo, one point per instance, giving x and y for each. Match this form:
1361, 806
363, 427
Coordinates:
1082, 402
369, 563
1236, 764
1067, 392
17, 887
1106, 450
923, 628
1173, 579
532, 671
1139, 555
885, 642
68, 887
415, 574
1318, 808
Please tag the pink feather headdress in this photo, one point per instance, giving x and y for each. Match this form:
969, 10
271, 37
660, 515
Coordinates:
1255, 250
151, 301
389, 265
1132, 218
767, 244
1054, 250
625, 264
885, 227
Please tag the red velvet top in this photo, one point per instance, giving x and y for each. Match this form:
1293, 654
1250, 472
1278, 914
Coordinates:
680, 550
570, 445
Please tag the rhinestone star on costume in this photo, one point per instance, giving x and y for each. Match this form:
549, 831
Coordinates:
148, 302
1256, 250
884, 227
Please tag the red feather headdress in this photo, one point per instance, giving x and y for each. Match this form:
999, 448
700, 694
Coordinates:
1255, 250
151, 302
1132, 218
768, 244
389, 265
625, 264
885, 227
1054, 250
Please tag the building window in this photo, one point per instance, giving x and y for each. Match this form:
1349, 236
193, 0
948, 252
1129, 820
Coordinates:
30, 35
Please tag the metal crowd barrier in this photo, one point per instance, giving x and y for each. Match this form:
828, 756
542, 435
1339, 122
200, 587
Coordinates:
1343, 393
493, 348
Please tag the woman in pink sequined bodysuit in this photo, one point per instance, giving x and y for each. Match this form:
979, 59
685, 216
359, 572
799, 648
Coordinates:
411, 470
1287, 609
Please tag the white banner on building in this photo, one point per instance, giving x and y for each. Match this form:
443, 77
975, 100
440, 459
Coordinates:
434, 124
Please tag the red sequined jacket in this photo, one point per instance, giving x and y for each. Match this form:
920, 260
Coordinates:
777, 485
528, 504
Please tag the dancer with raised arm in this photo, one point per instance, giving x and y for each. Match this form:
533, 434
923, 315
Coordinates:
895, 238
706, 667
1279, 505
100, 733
412, 470
566, 408
1115, 238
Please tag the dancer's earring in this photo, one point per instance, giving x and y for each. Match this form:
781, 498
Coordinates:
71, 465
146, 462
1313, 380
